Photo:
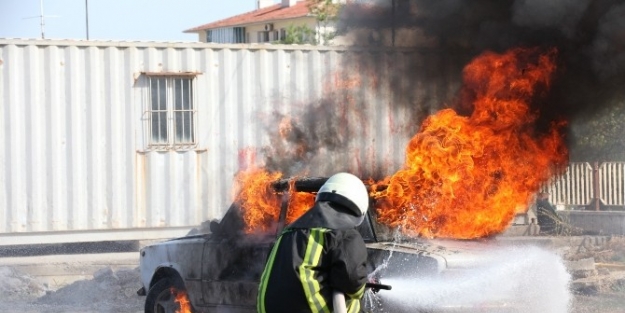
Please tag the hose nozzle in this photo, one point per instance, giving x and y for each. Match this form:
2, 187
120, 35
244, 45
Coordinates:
376, 287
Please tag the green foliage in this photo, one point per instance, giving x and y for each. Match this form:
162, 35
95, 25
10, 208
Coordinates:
324, 10
326, 37
299, 34
599, 136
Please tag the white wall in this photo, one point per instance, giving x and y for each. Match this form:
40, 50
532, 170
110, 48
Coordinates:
74, 160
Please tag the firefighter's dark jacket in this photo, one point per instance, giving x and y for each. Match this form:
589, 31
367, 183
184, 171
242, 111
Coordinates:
320, 252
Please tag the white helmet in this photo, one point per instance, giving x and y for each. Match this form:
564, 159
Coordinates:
348, 187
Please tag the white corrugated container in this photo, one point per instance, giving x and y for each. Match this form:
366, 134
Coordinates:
76, 165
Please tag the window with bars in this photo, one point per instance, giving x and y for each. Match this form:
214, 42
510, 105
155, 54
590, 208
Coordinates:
171, 112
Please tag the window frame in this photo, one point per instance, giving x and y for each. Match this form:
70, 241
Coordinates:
175, 109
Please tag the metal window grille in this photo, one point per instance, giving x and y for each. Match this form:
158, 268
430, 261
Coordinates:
171, 113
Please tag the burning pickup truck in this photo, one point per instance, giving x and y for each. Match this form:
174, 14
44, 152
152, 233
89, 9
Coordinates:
217, 267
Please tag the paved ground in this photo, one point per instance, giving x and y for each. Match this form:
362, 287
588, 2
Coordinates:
107, 283
60, 270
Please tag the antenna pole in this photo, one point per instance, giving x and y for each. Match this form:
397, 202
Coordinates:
43, 23
87, 17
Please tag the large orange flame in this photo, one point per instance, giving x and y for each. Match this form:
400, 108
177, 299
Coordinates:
261, 204
299, 203
466, 176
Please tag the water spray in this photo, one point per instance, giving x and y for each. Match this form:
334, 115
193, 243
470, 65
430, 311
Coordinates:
508, 279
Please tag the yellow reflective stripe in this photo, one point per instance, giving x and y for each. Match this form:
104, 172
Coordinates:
317, 259
353, 300
260, 303
353, 305
312, 258
358, 294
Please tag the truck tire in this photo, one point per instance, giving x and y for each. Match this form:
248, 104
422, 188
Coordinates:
161, 298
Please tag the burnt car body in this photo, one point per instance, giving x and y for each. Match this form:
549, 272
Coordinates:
219, 266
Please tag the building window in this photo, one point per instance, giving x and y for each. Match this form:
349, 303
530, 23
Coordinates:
239, 35
226, 35
263, 36
171, 112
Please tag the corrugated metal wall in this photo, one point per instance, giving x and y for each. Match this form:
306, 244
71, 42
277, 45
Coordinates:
73, 131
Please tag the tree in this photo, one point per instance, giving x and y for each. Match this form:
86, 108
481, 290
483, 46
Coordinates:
599, 136
326, 12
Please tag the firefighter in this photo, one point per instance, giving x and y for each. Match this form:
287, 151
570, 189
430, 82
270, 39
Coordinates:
319, 254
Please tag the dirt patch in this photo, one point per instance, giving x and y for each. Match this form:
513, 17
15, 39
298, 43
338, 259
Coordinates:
15, 285
108, 292
612, 252
603, 292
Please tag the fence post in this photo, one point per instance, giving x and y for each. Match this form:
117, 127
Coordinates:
595, 187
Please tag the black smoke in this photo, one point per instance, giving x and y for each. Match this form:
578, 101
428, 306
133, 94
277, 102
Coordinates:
589, 36
436, 39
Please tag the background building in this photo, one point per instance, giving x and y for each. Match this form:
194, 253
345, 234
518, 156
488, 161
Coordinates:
270, 22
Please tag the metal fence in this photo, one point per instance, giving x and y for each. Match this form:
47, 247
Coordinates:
589, 186
612, 183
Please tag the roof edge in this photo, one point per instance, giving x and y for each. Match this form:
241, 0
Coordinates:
191, 30
274, 7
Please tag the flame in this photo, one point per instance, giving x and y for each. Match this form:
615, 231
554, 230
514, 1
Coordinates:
261, 204
466, 176
182, 299
299, 203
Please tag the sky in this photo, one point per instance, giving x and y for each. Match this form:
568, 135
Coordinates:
126, 20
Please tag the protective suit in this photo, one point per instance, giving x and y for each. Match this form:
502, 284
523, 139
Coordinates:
319, 253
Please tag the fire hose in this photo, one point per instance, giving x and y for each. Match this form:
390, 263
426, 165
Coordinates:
338, 298
376, 287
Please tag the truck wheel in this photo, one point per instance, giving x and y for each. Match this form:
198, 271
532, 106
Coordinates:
161, 298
